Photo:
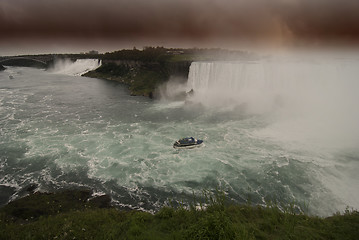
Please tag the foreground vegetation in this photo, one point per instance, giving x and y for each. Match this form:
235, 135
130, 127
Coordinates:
74, 215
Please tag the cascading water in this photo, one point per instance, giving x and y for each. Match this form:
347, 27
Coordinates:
262, 85
77, 68
316, 93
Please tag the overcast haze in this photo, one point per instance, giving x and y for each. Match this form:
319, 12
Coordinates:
42, 25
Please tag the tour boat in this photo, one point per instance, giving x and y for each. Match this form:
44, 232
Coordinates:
188, 142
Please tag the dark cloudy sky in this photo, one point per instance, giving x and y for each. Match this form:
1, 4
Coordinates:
39, 25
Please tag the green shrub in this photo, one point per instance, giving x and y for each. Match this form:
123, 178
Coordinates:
219, 220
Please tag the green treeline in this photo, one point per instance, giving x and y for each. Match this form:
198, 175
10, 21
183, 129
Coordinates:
148, 54
75, 215
161, 54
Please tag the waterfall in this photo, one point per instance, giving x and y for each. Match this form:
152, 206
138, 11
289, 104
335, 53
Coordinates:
304, 99
264, 84
77, 68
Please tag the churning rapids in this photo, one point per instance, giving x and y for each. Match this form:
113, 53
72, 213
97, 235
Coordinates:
274, 130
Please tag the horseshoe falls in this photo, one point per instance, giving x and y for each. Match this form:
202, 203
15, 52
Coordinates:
274, 130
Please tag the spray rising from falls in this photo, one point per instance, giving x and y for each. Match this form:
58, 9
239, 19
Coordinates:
313, 96
266, 83
77, 68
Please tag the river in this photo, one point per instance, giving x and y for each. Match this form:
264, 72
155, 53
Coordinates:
61, 131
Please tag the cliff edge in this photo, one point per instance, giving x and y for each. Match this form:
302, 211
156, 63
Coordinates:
142, 78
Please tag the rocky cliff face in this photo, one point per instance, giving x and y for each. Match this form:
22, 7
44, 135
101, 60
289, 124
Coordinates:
180, 69
142, 77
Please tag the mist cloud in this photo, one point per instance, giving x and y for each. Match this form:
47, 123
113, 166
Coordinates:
287, 22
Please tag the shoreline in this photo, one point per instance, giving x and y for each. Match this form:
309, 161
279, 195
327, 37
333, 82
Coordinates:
76, 214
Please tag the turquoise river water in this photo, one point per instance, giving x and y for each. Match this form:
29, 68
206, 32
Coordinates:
289, 136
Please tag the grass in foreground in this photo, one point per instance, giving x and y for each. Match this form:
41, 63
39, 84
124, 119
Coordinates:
87, 219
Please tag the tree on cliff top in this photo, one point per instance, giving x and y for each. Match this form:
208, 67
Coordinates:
148, 54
